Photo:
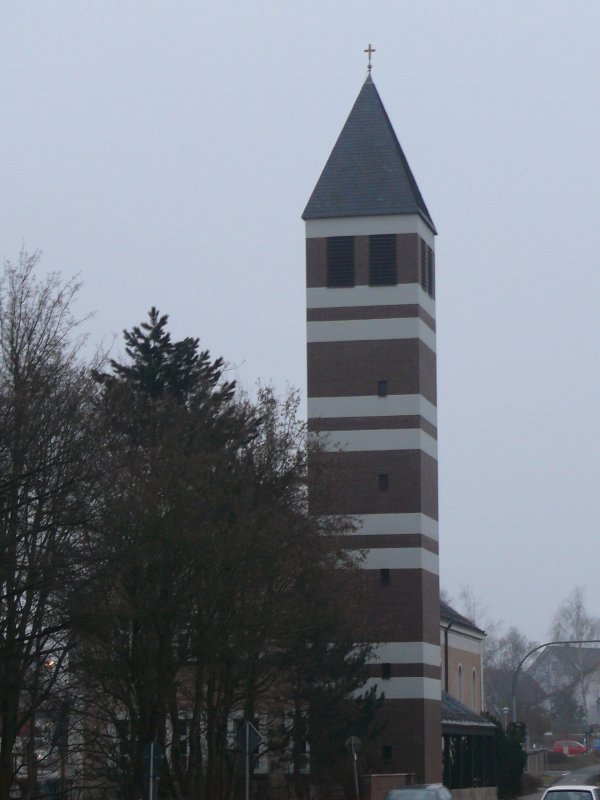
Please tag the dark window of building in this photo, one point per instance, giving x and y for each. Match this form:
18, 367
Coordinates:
184, 741
423, 265
386, 752
340, 261
384, 577
386, 671
427, 269
182, 645
430, 272
124, 741
383, 482
382, 388
382, 260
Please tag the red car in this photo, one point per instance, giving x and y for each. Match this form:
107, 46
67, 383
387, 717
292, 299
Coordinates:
569, 747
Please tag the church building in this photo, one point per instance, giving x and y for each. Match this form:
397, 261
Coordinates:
370, 277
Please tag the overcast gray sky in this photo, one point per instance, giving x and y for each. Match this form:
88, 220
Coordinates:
166, 150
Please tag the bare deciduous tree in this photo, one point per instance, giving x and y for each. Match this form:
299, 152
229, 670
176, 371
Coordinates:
580, 662
46, 465
572, 621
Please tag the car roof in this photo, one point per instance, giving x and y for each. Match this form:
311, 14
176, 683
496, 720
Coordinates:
410, 786
397, 791
571, 787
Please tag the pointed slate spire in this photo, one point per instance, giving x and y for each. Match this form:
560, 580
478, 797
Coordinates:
367, 173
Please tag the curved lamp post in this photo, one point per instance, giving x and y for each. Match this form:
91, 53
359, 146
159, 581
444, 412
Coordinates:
513, 690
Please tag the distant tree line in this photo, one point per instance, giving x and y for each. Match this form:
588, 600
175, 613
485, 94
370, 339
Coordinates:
163, 577
558, 687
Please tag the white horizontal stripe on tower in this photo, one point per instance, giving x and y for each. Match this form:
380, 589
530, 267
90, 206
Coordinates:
406, 688
406, 653
375, 524
370, 226
360, 330
403, 294
393, 524
378, 440
401, 558
372, 406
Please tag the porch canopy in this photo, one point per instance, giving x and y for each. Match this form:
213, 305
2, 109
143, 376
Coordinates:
468, 740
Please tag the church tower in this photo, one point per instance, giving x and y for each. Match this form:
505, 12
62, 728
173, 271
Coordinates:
372, 393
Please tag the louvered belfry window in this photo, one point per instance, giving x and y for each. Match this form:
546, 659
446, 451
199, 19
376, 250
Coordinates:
427, 269
431, 271
423, 270
382, 260
340, 261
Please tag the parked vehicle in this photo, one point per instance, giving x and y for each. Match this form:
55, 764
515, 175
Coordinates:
426, 791
575, 792
569, 747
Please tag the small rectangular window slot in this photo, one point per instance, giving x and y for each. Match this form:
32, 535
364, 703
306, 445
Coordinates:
386, 672
384, 482
384, 577
382, 388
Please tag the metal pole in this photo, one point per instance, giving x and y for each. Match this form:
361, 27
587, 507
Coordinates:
151, 775
446, 629
247, 761
355, 772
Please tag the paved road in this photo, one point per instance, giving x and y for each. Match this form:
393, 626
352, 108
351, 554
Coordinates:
590, 774
586, 775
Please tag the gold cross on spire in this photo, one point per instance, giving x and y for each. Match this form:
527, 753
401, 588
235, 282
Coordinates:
370, 50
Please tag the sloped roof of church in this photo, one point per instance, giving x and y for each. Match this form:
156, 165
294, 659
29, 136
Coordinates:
448, 613
367, 173
456, 717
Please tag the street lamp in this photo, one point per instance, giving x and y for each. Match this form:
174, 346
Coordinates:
513, 690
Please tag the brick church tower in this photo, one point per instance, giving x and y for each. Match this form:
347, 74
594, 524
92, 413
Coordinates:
372, 392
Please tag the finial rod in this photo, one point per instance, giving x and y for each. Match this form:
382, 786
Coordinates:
370, 50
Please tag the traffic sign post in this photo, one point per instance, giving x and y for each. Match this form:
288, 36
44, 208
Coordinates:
353, 744
153, 756
247, 741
